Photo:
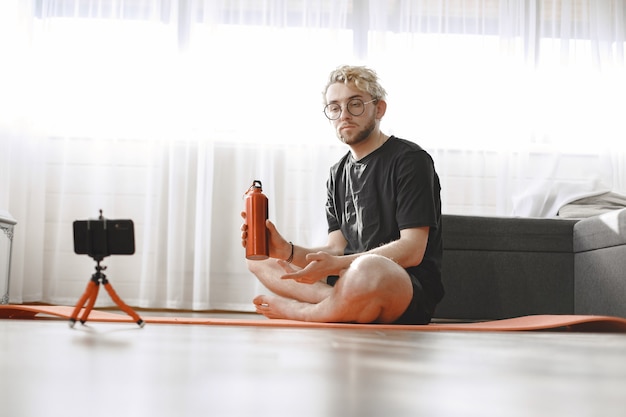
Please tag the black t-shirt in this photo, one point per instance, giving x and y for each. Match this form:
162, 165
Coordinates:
393, 188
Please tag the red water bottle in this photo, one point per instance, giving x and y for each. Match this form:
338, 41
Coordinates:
257, 244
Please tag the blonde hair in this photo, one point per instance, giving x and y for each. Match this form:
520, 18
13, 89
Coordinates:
364, 79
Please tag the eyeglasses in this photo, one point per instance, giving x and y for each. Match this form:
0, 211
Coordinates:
355, 107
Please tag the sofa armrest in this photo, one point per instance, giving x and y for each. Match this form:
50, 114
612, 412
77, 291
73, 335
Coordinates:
600, 264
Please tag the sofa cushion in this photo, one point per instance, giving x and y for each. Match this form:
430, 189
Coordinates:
508, 233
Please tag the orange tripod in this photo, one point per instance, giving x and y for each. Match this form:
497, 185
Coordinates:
91, 293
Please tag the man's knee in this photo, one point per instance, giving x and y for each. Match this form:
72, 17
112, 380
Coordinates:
261, 267
253, 266
368, 273
379, 286
377, 274
372, 266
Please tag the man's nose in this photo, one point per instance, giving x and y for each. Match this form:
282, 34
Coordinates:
345, 114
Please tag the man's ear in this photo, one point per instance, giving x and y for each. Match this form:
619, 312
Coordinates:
381, 108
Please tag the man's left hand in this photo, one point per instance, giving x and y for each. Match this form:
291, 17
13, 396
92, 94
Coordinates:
320, 265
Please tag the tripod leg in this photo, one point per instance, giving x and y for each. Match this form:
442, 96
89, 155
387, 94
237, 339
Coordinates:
92, 300
128, 310
81, 302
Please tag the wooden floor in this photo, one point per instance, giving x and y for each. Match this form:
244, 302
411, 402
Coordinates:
48, 369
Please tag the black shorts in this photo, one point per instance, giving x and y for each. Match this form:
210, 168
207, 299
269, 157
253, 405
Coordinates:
419, 311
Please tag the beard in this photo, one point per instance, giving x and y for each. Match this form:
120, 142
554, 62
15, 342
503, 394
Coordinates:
359, 136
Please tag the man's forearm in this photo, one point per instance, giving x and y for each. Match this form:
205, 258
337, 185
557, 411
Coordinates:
408, 250
300, 253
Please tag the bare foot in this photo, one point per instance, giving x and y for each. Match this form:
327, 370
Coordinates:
276, 307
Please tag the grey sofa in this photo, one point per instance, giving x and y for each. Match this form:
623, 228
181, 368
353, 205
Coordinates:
501, 267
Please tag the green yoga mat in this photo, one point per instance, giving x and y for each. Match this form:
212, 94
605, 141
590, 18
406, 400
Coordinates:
576, 323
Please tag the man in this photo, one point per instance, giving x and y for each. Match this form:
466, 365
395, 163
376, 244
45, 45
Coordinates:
382, 260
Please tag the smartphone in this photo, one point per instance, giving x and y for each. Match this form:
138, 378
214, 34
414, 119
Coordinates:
104, 237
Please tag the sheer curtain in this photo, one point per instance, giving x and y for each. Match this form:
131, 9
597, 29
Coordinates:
165, 111
515, 98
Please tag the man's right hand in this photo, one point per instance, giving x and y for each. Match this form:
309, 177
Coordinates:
244, 230
279, 247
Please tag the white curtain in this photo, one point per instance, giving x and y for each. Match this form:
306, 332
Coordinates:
164, 111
